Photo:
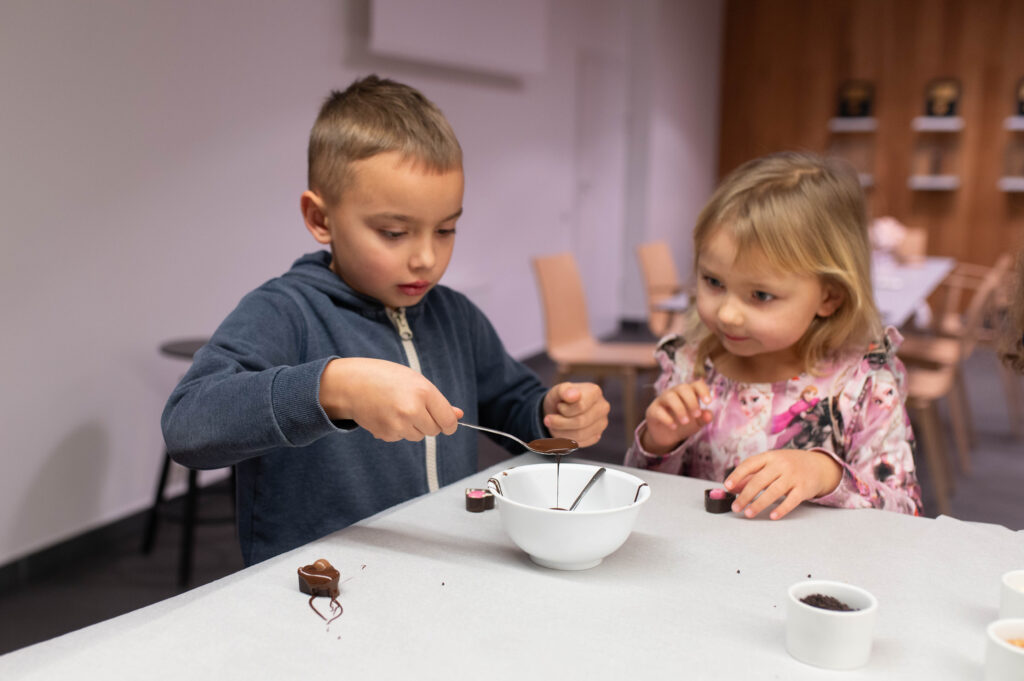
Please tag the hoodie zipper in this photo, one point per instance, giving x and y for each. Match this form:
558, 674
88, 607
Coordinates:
397, 317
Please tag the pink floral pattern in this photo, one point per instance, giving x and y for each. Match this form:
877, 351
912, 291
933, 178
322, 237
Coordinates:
854, 411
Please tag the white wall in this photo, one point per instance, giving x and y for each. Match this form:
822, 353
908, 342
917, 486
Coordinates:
151, 159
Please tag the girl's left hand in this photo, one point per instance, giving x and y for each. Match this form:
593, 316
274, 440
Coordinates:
796, 474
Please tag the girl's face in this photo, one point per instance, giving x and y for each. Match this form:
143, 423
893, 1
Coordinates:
757, 312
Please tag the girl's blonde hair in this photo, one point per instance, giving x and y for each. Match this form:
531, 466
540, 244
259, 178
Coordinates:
805, 214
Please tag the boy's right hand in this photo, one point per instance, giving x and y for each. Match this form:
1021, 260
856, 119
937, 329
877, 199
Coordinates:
675, 415
390, 400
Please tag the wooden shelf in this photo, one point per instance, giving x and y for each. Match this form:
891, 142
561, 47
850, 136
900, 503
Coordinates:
1011, 184
934, 183
853, 124
937, 124
1014, 122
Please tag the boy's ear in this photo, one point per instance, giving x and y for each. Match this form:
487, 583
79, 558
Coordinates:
832, 297
314, 213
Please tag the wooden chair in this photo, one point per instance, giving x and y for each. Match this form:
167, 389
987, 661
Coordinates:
968, 279
935, 363
570, 343
661, 281
925, 387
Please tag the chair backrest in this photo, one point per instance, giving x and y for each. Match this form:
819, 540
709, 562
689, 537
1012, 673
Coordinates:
983, 302
661, 281
563, 300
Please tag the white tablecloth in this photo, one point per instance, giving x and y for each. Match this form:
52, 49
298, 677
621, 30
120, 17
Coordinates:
445, 594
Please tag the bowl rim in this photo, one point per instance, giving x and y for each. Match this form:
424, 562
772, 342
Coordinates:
641, 484
998, 640
825, 583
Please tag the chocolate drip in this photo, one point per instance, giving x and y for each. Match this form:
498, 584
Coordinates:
336, 609
641, 486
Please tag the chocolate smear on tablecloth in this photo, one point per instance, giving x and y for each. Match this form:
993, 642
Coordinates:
321, 579
826, 603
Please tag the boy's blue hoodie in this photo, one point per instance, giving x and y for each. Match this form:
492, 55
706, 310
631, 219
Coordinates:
251, 400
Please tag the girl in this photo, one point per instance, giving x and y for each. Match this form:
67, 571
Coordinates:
784, 315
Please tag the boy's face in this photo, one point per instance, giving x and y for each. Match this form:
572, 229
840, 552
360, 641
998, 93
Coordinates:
393, 229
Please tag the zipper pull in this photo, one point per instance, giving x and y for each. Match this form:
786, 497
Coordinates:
398, 319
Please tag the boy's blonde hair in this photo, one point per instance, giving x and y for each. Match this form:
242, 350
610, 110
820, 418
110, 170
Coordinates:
372, 116
806, 215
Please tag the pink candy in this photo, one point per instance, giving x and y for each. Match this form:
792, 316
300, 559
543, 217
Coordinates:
716, 494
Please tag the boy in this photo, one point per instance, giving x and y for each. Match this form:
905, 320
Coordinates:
303, 381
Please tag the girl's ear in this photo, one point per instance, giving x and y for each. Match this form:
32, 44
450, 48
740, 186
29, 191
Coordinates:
831, 298
314, 213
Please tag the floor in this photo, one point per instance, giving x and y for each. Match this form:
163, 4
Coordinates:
118, 578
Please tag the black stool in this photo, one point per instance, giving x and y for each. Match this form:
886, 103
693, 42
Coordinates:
181, 349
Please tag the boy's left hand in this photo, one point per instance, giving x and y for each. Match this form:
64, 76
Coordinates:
577, 411
796, 474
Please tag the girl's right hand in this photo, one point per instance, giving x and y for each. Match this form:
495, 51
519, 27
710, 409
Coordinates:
675, 415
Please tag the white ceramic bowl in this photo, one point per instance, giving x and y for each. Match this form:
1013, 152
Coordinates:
830, 639
1011, 595
567, 540
1004, 661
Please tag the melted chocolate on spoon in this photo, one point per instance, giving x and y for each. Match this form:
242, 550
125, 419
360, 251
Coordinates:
554, 445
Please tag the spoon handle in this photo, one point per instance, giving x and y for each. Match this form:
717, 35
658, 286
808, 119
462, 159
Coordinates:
590, 483
496, 432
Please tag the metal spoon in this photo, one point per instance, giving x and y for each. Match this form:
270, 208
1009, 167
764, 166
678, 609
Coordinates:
590, 483
548, 446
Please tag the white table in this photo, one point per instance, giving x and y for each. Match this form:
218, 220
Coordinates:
445, 595
899, 288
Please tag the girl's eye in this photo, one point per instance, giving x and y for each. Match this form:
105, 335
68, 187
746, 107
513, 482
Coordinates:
712, 282
763, 296
390, 234
446, 232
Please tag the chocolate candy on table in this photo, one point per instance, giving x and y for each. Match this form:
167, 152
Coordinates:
321, 579
718, 500
478, 500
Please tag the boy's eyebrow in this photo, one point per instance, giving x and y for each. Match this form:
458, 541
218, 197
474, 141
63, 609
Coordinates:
400, 217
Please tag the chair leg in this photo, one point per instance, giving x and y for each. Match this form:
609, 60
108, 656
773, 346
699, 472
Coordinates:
961, 386
188, 527
934, 453
1011, 386
153, 516
959, 416
629, 416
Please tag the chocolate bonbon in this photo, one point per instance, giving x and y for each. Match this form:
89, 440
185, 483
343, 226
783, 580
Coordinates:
717, 500
478, 500
321, 579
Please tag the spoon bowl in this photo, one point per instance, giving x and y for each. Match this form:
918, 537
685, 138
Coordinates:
550, 446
